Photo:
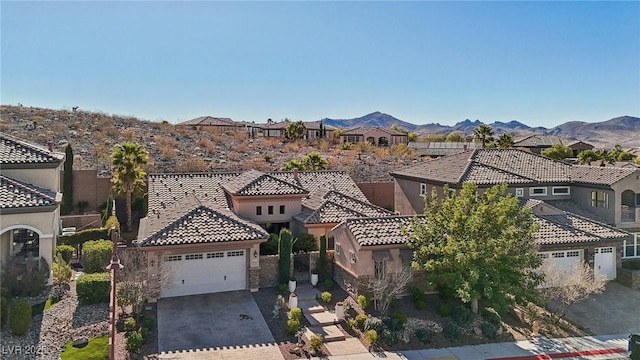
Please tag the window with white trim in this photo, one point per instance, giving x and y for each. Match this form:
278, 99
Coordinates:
193, 257
352, 257
537, 191
235, 253
215, 255
423, 189
561, 190
519, 192
338, 249
173, 258
599, 199
631, 248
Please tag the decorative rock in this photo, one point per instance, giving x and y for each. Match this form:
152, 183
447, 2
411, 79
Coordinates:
80, 342
477, 331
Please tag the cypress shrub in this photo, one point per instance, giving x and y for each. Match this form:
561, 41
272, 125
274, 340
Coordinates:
66, 251
322, 259
93, 288
96, 255
284, 256
19, 317
67, 181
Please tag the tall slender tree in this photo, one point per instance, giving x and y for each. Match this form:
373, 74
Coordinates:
483, 134
128, 176
67, 181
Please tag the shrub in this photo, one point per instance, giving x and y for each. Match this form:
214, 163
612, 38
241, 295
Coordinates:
326, 296
400, 317
491, 316
315, 343
112, 222
21, 280
134, 341
328, 284
284, 255
322, 259
4, 310
93, 288
489, 330
295, 313
462, 316
293, 326
82, 236
148, 322
144, 332
19, 317
420, 305
451, 330
359, 321
129, 324
66, 251
424, 335
270, 247
371, 336
418, 298
283, 289
373, 323
363, 301
96, 255
61, 270
443, 310
305, 242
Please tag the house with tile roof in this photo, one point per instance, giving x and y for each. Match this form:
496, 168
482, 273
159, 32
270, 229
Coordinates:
536, 143
313, 130
377, 136
29, 203
221, 125
608, 196
205, 229
442, 148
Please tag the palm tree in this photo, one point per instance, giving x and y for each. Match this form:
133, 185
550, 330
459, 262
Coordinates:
126, 159
483, 134
314, 161
295, 130
505, 141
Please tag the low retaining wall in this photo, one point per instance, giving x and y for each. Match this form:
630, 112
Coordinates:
80, 221
629, 278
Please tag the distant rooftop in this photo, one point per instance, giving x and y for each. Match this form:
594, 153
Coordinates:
17, 152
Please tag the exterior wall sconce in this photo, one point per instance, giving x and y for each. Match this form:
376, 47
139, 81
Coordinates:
255, 253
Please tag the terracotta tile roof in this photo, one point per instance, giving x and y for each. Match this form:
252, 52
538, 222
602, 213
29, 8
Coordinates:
203, 223
339, 181
334, 207
208, 121
16, 194
442, 148
14, 151
493, 166
363, 130
165, 189
546, 141
379, 231
253, 182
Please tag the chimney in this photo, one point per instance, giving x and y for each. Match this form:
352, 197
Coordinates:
50, 145
295, 174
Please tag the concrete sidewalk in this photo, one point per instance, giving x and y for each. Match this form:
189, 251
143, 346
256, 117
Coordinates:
589, 347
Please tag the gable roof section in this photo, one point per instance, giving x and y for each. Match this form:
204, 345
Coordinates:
166, 189
208, 121
448, 169
537, 140
254, 183
334, 207
600, 175
203, 223
17, 152
379, 231
19, 195
363, 130
339, 181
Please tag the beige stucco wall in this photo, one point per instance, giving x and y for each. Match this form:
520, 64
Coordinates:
631, 183
46, 178
246, 207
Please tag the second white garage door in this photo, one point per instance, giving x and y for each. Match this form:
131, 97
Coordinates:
202, 273
563, 260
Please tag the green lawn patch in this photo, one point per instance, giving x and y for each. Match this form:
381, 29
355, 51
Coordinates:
97, 349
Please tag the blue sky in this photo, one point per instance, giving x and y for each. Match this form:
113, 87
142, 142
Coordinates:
541, 63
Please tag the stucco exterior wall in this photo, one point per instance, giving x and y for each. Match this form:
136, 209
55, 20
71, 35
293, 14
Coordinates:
48, 178
582, 196
631, 183
246, 207
380, 193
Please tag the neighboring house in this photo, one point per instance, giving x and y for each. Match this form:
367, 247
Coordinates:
220, 124
377, 136
441, 148
279, 129
206, 228
537, 143
607, 195
29, 202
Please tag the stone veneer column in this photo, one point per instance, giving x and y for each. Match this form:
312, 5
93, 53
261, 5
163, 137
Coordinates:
254, 279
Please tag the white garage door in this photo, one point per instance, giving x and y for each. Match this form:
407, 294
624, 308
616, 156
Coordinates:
563, 260
202, 273
604, 262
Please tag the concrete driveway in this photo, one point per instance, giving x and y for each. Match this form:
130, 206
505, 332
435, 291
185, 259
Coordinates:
615, 311
197, 322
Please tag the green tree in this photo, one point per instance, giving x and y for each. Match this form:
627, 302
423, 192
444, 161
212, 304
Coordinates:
455, 136
505, 141
295, 130
284, 255
67, 181
314, 161
617, 154
396, 127
558, 152
483, 134
294, 164
478, 245
128, 176
412, 137
587, 157
322, 259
